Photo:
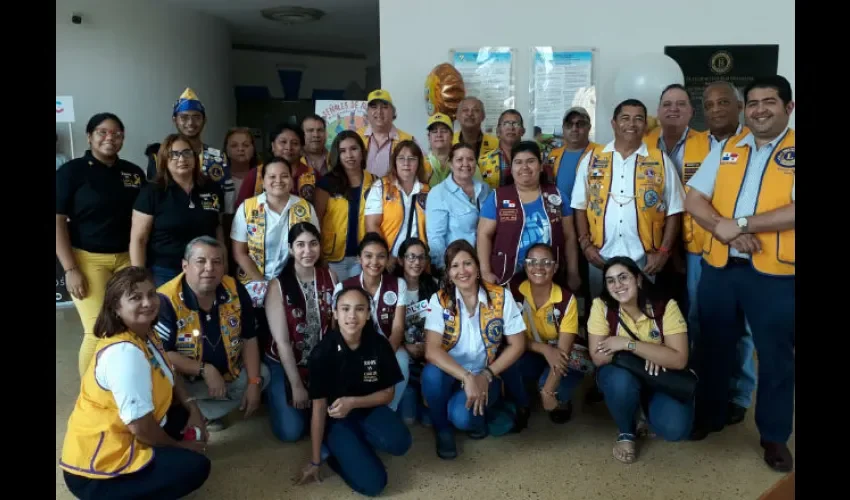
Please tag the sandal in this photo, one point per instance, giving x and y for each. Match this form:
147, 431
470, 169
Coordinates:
624, 448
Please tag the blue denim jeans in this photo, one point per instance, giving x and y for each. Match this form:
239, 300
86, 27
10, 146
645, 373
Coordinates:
353, 440
533, 366
624, 394
447, 401
743, 382
288, 423
403, 359
162, 275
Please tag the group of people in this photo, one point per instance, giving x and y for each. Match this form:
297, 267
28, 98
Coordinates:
362, 289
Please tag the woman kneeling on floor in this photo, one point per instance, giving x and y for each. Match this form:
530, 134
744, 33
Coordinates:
353, 373
467, 321
626, 304
125, 435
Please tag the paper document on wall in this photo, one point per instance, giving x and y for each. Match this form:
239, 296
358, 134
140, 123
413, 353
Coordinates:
488, 75
560, 80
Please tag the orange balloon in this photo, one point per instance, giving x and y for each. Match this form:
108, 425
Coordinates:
651, 123
444, 90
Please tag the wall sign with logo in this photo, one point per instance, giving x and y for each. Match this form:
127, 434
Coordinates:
737, 64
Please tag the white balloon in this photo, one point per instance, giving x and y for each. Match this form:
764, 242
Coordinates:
644, 77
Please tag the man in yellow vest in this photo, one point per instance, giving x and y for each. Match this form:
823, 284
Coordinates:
381, 135
495, 166
470, 115
721, 105
206, 324
627, 199
743, 196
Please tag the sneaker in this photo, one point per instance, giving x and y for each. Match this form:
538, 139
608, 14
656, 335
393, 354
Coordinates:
562, 414
446, 446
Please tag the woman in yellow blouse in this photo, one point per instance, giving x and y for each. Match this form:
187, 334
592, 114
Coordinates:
626, 303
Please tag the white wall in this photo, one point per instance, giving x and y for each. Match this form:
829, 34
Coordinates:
617, 29
260, 68
134, 59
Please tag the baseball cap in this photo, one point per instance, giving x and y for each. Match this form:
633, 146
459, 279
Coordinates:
439, 118
577, 109
379, 95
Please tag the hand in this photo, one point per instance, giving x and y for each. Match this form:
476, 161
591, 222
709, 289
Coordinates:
726, 230
652, 368
300, 399
477, 391
251, 400
612, 344
214, 381
340, 408
76, 284
746, 243
416, 351
655, 262
196, 446
557, 359
489, 277
591, 253
196, 419
574, 282
308, 474
550, 402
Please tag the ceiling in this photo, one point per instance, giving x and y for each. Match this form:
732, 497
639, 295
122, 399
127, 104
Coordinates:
348, 26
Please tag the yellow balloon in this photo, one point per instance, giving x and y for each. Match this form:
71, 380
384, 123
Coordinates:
651, 123
444, 90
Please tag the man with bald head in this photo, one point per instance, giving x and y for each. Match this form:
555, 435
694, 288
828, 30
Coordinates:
470, 115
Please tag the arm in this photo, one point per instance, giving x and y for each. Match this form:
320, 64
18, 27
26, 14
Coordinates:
436, 355
240, 255
436, 228
374, 208
484, 240
780, 219
64, 252
571, 242
251, 355
140, 231
698, 198
251, 347
672, 226
565, 345
700, 208
397, 335
377, 398
514, 334
276, 317
673, 354
317, 429
148, 431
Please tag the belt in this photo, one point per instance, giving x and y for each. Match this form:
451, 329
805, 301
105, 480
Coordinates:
739, 261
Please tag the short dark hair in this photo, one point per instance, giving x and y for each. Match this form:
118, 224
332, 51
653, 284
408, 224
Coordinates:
108, 322
99, 118
629, 102
283, 127
510, 112
372, 239
778, 82
312, 116
671, 87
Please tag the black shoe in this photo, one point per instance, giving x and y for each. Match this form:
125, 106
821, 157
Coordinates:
701, 431
521, 421
562, 414
736, 414
479, 434
446, 446
593, 395
777, 456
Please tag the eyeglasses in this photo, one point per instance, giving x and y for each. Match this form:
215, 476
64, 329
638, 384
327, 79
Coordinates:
622, 278
406, 159
102, 132
547, 263
576, 124
512, 124
412, 257
185, 153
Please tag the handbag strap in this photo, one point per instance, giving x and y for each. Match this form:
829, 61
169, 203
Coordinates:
626, 328
526, 308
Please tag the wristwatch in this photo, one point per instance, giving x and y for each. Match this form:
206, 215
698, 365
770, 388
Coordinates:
632, 345
742, 223
201, 371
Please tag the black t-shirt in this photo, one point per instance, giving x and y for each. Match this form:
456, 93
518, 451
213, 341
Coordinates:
336, 371
177, 220
213, 351
99, 201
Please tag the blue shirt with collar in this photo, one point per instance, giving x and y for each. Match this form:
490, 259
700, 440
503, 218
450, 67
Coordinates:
450, 215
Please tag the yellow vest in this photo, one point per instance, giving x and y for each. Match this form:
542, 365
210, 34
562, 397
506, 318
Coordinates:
488, 143
649, 186
98, 445
255, 219
492, 321
777, 256
555, 158
189, 342
488, 165
335, 222
394, 215
402, 136
304, 177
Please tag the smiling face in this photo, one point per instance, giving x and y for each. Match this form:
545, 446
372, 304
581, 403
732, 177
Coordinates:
525, 169
189, 123
765, 112
675, 109
204, 269
350, 154
351, 313
630, 124
439, 136
305, 249
315, 135
277, 179
464, 272
287, 145
107, 139
406, 165
622, 284
139, 307
181, 159
463, 164
373, 260
414, 261
540, 266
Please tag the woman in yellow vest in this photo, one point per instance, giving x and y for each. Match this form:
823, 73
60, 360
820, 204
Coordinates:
467, 323
261, 227
340, 204
395, 207
627, 304
125, 435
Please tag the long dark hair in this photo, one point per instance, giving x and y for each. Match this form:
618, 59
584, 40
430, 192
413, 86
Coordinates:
338, 183
287, 279
647, 296
369, 327
452, 251
427, 285
108, 322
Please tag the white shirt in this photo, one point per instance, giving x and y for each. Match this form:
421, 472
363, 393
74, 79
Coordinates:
277, 233
375, 206
400, 300
621, 228
469, 352
124, 370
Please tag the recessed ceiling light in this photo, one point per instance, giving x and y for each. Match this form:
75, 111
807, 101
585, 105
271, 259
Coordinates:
292, 15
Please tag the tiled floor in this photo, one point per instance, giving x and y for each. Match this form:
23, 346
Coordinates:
546, 461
